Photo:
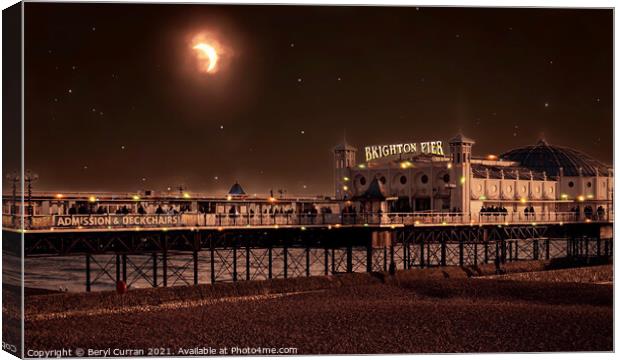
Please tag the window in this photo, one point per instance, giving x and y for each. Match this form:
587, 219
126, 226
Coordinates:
571, 184
403, 179
424, 179
362, 181
446, 178
589, 184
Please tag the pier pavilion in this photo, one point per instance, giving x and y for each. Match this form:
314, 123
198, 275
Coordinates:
407, 206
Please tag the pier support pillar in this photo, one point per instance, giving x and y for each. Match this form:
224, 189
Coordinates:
307, 261
154, 259
476, 253
285, 262
405, 255
392, 263
212, 251
118, 268
164, 268
270, 262
349, 259
369, 257
486, 252
87, 272
124, 257
164, 260
516, 250
385, 256
326, 261
234, 250
247, 262
197, 246
421, 253
195, 257
498, 259
606, 247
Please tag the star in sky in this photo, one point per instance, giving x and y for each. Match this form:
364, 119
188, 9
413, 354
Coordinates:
70, 106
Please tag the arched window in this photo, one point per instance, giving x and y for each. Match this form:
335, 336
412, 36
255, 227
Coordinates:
403, 179
424, 179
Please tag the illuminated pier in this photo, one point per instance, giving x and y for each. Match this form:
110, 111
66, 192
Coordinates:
247, 245
430, 209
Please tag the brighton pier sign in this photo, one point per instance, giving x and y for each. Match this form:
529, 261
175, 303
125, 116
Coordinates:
378, 151
115, 220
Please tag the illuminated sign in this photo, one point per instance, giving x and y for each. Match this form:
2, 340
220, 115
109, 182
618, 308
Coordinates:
378, 151
115, 220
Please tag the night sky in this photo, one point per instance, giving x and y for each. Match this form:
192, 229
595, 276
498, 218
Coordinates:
115, 100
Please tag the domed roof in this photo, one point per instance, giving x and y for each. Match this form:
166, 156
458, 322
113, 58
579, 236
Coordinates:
550, 158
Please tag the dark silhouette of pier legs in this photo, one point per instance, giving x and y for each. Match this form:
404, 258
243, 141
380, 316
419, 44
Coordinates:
326, 261
195, 259
154, 257
307, 252
88, 272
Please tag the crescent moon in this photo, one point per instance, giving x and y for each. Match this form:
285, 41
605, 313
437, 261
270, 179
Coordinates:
210, 53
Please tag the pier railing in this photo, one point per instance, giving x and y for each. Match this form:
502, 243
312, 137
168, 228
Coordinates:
122, 221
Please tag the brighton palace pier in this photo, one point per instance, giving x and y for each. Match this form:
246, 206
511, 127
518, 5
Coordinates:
399, 205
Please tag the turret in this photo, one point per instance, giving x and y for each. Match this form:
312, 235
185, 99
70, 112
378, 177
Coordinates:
344, 160
460, 155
